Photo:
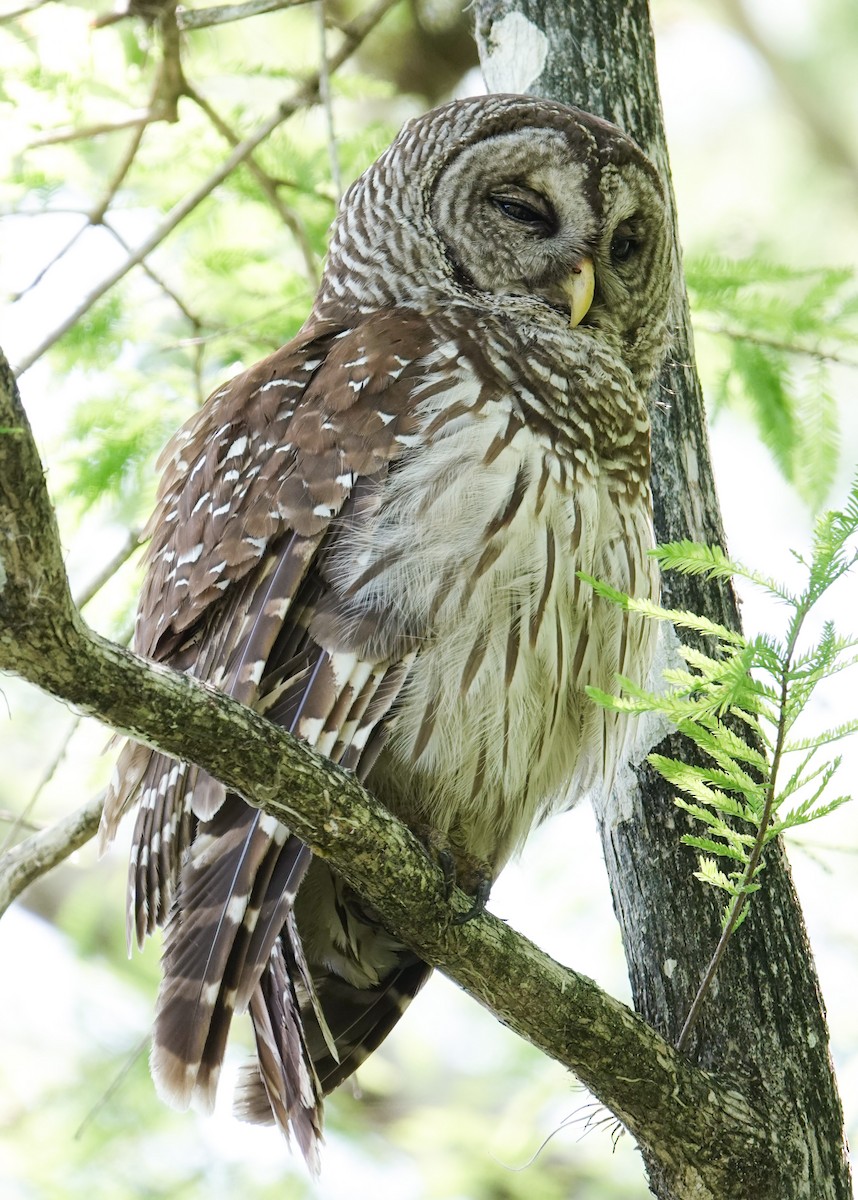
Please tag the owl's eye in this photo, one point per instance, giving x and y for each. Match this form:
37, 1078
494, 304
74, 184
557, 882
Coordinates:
623, 247
525, 207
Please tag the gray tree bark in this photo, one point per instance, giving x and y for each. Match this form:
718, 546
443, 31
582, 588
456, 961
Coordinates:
763, 1026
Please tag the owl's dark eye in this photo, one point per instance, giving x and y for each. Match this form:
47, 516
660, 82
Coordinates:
623, 247
526, 207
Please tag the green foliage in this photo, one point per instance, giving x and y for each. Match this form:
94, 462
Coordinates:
740, 704
775, 332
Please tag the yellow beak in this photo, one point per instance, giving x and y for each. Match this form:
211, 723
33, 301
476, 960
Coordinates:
579, 288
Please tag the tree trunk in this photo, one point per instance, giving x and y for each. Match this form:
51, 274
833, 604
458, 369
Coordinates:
763, 1026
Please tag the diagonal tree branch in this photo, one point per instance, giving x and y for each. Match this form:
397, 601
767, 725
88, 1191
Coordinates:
203, 18
670, 1106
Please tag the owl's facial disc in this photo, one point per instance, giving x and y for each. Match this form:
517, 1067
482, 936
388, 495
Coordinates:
519, 217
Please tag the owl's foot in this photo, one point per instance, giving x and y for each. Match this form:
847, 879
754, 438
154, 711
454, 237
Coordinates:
472, 875
481, 895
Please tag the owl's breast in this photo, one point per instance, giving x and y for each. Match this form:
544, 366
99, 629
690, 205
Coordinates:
475, 547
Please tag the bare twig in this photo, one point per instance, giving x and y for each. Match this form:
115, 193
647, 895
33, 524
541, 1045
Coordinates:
79, 133
52, 261
9, 817
22, 11
124, 165
325, 93
759, 339
96, 215
353, 36
157, 279
201, 18
43, 851
47, 775
120, 558
268, 185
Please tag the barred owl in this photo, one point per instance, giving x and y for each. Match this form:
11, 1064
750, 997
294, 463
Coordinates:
373, 538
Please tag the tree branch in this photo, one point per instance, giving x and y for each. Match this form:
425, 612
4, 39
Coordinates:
202, 18
37, 855
670, 1106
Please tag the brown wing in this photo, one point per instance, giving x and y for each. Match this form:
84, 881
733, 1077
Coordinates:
257, 489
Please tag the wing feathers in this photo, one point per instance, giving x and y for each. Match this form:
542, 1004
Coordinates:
257, 489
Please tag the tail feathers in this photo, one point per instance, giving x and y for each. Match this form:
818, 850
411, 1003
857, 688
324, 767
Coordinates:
234, 894
122, 790
162, 835
173, 796
359, 1018
294, 1024
282, 1085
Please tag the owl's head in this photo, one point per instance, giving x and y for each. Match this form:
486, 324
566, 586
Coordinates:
539, 213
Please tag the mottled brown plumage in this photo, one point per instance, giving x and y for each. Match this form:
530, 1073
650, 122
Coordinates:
373, 536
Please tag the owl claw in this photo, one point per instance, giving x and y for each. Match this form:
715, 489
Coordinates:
448, 869
478, 907
471, 875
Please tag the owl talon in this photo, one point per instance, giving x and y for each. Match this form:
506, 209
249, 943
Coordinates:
471, 875
478, 907
448, 869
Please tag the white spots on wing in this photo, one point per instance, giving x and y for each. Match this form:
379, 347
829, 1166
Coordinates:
342, 666
191, 556
359, 738
238, 447
219, 512
386, 418
253, 672
347, 481
206, 496
269, 825
231, 476
210, 993
310, 729
273, 383
324, 510
277, 608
